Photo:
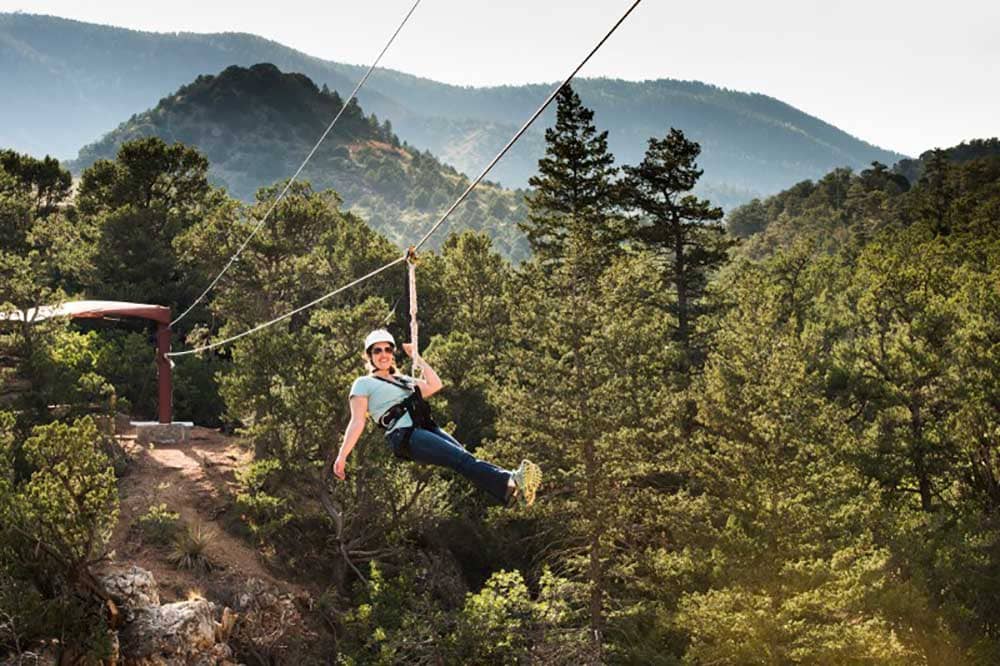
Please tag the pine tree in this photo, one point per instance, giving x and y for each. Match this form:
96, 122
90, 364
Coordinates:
573, 204
937, 192
684, 228
139, 204
569, 399
779, 547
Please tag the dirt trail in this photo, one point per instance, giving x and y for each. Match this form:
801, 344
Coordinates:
196, 480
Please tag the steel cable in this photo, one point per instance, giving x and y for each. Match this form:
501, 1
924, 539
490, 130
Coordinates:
524, 128
291, 180
444, 217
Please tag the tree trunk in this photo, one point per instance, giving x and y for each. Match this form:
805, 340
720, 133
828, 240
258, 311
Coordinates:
594, 569
595, 574
680, 281
917, 453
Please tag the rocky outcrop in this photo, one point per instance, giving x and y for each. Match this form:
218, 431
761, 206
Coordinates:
131, 588
269, 621
185, 633
32, 658
271, 626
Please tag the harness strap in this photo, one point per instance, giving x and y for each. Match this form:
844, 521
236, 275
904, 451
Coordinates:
413, 404
391, 415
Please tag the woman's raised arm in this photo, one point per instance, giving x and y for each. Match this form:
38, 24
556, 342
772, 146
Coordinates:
431, 383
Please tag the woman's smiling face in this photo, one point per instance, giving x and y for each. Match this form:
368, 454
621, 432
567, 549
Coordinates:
381, 354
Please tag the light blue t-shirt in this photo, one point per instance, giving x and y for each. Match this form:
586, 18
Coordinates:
381, 396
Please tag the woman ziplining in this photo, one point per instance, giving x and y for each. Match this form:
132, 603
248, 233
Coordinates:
417, 438
396, 404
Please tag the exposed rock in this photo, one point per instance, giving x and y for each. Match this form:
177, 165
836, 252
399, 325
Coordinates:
269, 623
179, 634
131, 588
31, 658
256, 594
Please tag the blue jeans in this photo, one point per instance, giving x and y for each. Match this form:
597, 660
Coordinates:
436, 447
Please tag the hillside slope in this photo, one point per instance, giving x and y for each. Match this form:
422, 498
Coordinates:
753, 144
255, 125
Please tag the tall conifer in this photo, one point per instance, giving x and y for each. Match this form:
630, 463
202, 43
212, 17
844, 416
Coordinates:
565, 403
571, 208
679, 225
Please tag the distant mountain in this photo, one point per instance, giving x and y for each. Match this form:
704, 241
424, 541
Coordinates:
255, 125
71, 81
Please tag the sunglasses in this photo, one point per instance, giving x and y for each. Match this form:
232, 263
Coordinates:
381, 350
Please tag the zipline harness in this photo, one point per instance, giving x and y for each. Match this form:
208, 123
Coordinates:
410, 256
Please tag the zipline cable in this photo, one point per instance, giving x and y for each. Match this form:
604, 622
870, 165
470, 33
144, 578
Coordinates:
524, 127
301, 167
411, 251
287, 314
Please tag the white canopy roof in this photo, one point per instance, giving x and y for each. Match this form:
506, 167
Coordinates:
90, 309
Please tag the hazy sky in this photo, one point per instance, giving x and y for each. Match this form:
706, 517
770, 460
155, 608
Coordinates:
903, 75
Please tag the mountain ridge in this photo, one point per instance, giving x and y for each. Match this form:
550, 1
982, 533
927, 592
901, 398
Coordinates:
256, 124
752, 144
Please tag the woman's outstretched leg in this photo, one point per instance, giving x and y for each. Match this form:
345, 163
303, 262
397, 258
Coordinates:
439, 448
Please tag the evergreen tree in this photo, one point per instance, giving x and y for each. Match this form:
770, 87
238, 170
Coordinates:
45, 254
47, 183
682, 227
140, 203
573, 204
580, 354
936, 192
896, 352
748, 219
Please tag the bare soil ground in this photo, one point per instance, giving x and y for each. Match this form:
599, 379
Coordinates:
196, 480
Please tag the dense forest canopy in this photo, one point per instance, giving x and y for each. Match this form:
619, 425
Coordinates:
769, 439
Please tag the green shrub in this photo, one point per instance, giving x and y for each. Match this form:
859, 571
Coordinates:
495, 623
69, 505
55, 520
264, 513
158, 525
397, 622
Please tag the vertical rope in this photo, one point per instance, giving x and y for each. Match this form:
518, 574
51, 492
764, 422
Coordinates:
411, 264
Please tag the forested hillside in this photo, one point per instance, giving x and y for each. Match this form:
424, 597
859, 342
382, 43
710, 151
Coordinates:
752, 144
766, 440
256, 125
914, 169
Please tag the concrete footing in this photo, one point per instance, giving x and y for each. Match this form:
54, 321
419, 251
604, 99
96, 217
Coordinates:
151, 432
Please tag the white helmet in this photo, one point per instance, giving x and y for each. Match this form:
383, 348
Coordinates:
379, 335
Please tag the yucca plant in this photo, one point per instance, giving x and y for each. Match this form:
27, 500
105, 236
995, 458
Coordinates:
190, 545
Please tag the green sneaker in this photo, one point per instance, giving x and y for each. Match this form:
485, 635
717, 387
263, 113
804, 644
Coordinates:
527, 478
